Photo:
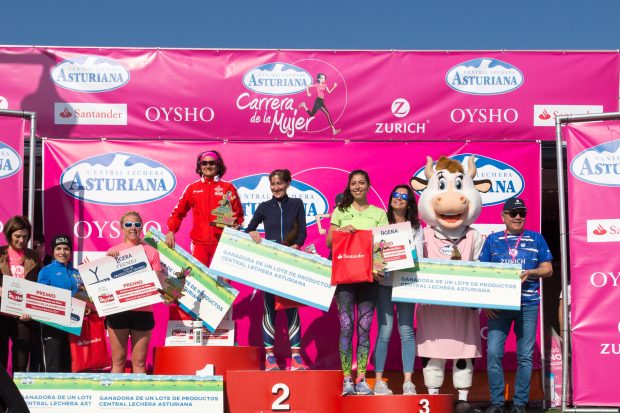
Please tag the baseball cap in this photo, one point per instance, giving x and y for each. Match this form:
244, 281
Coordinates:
514, 203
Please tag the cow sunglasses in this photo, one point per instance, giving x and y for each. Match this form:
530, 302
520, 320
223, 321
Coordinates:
398, 195
132, 224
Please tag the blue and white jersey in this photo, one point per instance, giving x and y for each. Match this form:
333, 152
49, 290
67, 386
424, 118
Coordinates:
532, 249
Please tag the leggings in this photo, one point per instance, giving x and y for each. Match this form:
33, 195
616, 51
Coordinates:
347, 296
269, 323
319, 104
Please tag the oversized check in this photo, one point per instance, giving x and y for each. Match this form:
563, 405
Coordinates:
40, 301
271, 267
92, 392
123, 283
78, 308
397, 243
460, 284
204, 296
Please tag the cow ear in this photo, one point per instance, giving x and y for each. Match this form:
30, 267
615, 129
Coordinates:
483, 185
418, 184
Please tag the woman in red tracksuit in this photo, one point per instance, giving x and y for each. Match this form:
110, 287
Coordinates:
209, 198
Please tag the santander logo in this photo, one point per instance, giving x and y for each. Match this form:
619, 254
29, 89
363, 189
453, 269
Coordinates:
351, 256
66, 113
599, 230
544, 115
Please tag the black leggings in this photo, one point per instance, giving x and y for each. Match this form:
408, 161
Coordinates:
319, 104
20, 334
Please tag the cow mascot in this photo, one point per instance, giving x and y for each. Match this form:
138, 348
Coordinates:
449, 204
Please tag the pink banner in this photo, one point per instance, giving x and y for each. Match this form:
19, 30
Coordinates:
305, 95
593, 195
11, 167
92, 183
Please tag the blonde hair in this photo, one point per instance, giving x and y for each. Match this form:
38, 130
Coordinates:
128, 214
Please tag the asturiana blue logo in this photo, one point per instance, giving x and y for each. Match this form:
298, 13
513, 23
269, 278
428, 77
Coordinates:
484, 76
506, 181
118, 178
277, 79
254, 189
599, 165
90, 74
10, 161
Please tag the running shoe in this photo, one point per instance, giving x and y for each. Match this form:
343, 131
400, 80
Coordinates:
270, 363
362, 388
382, 389
348, 389
297, 363
408, 388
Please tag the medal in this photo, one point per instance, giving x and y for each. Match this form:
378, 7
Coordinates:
513, 252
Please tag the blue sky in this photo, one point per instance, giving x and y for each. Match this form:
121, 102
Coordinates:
336, 24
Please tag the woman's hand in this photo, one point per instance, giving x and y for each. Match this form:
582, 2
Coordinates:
255, 236
349, 228
378, 275
25, 317
112, 254
170, 239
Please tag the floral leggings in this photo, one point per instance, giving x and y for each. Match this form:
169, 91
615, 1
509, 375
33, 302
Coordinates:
347, 296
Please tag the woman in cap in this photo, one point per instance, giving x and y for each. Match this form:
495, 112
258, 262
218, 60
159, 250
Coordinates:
59, 273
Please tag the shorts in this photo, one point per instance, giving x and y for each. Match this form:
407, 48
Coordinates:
132, 320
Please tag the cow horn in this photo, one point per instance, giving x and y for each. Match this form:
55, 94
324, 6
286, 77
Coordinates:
428, 169
471, 167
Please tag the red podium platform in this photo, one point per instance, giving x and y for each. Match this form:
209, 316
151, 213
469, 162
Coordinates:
423, 403
187, 359
284, 391
316, 391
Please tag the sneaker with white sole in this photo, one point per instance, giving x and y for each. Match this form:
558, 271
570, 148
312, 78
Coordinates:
382, 389
362, 388
297, 363
409, 388
348, 389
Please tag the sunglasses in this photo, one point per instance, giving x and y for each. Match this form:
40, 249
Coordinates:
208, 163
398, 195
513, 214
132, 224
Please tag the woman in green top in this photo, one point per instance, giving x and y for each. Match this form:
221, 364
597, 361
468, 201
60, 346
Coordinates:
355, 213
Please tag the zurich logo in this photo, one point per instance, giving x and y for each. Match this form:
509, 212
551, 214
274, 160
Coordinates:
75, 317
599, 165
90, 74
255, 189
118, 178
506, 181
10, 161
484, 76
277, 79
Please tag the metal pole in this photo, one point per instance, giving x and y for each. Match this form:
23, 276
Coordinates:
564, 254
32, 116
563, 260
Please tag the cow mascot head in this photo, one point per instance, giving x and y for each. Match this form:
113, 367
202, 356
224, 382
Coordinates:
449, 204
451, 198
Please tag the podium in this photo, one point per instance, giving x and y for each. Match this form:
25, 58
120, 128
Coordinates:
189, 359
316, 391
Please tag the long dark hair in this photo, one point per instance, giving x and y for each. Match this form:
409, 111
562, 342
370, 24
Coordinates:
347, 196
412, 208
219, 163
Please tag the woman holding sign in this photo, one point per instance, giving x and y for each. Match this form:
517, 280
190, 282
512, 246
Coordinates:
402, 208
214, 204
59, 273
18, 261
136, 323
355, 213
284, 222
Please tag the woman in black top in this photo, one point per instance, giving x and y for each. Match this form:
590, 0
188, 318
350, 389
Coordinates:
284, 222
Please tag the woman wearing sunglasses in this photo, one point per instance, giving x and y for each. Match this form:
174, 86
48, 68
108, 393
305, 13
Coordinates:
214, 204
402, 208
137, 324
